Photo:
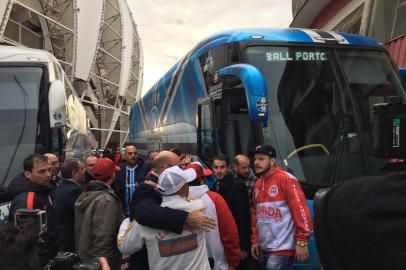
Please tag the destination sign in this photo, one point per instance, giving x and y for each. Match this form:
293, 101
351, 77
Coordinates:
296, 56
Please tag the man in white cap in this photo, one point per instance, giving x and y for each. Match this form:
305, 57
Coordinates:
167, 250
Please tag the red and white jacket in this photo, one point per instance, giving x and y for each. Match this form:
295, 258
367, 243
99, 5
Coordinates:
222, 242
280, 215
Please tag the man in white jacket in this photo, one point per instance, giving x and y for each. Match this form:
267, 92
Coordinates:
222, 242
167, 250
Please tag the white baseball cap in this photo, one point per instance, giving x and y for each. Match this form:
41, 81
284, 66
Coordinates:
173, 179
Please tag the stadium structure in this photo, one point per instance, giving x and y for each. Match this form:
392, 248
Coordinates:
97, 43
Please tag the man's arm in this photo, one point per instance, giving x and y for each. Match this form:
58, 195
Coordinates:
300, 215
227, 229
146, 209
129, 238
104, 228
254, 231
242, 216
299, 209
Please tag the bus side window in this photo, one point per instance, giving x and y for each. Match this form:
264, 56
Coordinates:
206, 139
211, 62
233, 54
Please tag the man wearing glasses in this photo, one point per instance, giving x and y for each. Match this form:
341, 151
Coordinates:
131, 173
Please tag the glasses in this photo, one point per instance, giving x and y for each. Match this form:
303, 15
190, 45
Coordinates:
132, 153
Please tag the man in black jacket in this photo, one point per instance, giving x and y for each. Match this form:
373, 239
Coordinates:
146, 209
235, 193
63, 208
131, 174
31, 188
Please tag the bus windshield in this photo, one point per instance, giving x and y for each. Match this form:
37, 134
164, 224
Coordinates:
19, 94
321, 102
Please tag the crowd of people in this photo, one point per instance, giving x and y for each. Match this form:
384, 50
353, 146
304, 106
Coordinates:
163, 213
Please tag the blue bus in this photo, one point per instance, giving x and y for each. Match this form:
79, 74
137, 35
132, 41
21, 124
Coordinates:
309, 93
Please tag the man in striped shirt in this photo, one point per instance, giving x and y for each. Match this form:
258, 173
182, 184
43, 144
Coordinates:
131, 174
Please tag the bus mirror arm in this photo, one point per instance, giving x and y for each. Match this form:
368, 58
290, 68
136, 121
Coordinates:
255, 89
57, 107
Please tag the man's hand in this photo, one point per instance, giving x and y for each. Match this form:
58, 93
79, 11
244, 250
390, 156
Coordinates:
151, 183
104, 264
255, 251
243, 254
198, 220
302, 253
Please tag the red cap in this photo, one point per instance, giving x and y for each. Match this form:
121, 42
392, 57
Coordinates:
197, 166
103, 169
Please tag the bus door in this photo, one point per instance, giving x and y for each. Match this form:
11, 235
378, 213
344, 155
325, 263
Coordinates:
207, 143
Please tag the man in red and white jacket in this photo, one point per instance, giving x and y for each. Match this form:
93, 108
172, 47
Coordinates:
222, 242
281, 222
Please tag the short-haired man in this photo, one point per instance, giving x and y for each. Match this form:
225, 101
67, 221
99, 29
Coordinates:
66, 194
131, 174
98, 215
235, 194
90, 161
243, 172
167, 250
152, 154
54, 163
222, 242
31, 189
281, 222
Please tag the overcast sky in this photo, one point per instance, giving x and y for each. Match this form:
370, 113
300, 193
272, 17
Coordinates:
171, 28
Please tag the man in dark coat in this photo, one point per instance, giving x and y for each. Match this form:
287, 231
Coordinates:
131, 174
98, 215
235, 193
31, 188
63, 208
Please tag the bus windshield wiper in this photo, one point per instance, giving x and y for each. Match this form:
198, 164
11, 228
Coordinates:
342, 136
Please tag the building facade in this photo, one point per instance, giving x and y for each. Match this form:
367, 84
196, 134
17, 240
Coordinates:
97, 44
384, 21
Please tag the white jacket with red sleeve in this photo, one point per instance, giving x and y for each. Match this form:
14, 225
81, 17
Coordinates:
280, 215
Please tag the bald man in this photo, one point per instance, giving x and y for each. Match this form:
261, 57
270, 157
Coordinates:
243, 171
146, 209
53, 161
161, 161
131, 174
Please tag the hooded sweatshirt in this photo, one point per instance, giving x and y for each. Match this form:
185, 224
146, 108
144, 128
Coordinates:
280, 214
222, 242
98, 215
27, 194
167, 250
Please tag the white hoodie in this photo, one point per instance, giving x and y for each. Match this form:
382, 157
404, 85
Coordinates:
167, 250
215, 248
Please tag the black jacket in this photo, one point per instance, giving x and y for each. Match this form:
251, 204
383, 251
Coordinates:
235, 193
63, 213
27, 194
146, 209
120, 182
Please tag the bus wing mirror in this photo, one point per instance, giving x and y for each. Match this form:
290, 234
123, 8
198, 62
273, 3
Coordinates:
255, 89
57, 107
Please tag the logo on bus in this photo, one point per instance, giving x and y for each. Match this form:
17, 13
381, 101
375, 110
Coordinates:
262, 104
57, 116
